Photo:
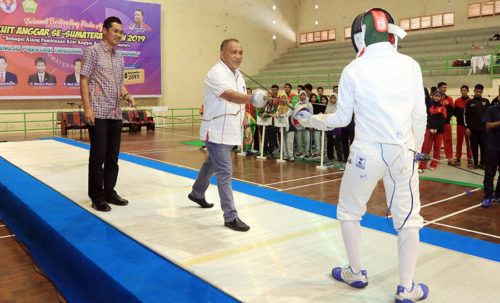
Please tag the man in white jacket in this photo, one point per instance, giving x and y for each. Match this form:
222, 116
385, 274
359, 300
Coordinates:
384, 90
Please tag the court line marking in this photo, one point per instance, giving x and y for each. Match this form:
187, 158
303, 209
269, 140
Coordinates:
194, 169
260, 244
152, 151
452, 214
8, 236
304, 178
446, 199
449, 198
310, 184
468, 230
3, 225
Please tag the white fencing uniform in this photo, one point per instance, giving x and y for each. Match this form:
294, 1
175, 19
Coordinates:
384, 90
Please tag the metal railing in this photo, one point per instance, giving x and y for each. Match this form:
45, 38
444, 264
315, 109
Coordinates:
23, 119
494, 64
447, 66
48, 121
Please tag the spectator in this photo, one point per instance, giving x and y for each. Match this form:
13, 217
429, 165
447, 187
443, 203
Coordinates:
308, 88
275, 90
266, 114
433, 89
474, 111
299, 89
302, 135
428, 99
321, 92
281, 120
448, 103
335, 89
292, 98
496, 100
434, 133
250, 111
5, 76
492, 119
346, 138
459, 114
41, 76
333, 136
319, 107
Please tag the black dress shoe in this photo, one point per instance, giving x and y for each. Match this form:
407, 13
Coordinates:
101, 205
116, 200
201, 202
237, 225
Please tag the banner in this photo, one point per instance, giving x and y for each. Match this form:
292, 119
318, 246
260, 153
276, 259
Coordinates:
42, 43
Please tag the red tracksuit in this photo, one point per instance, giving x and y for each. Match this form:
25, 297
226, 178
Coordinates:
435, 120
448, 143
459, 113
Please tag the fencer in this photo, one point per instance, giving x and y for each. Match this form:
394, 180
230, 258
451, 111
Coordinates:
384, 90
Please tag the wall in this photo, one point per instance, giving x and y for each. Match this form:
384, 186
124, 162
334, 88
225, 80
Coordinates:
334, 14
192, 33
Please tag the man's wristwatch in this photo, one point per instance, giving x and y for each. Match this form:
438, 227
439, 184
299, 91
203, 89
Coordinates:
125, 96
246, 126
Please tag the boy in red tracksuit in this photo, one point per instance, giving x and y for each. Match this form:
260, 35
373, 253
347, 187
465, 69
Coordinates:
436, 117
448, 103
459, 113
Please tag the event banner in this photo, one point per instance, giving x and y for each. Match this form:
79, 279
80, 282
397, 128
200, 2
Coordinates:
42, 43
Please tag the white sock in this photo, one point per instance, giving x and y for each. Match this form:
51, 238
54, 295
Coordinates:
408, 239
351, 232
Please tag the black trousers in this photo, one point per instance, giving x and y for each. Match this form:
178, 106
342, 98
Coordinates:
492, 165
334, 141
105, 138
478, 139
269, 139
256, 137
347, 137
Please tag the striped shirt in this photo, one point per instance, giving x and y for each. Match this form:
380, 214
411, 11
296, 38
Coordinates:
105, 71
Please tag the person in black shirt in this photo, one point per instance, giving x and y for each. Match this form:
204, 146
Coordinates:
458, 112
496, 100
474, 111
492, 119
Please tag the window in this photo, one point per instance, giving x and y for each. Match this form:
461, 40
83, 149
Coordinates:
404, 24
347, 33
428, 22
425, 22
437, 20
318, 36
482, 9
331, 35
449, 19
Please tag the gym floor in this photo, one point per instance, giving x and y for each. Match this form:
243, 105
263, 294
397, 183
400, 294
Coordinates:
450, 198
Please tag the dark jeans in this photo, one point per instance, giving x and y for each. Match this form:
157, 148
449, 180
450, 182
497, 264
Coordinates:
105, 137
492, 164
333, 141
347, 138
478, 139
